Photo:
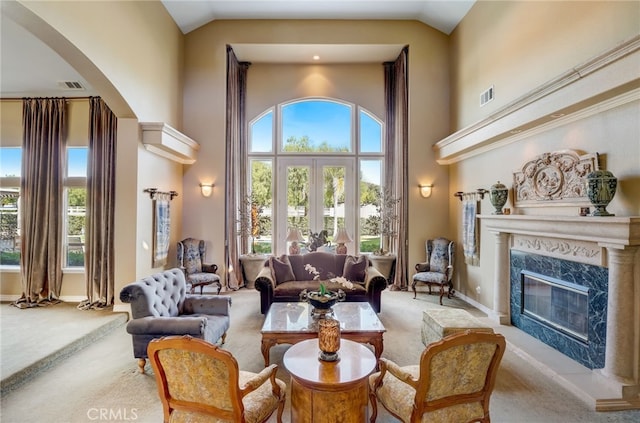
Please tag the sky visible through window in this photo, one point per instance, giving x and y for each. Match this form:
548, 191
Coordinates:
321, 121
11, 161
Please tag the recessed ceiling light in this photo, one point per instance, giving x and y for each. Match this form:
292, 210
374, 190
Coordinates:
516, 131
316, 57
557, 115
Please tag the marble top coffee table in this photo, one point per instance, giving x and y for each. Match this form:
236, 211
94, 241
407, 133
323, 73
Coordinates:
290, 323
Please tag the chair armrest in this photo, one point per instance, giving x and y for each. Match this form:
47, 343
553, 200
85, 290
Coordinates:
423, 267
209, 268
374, 280
166, 326
264, 279
395, 370
207, 304
259, 379
449, 272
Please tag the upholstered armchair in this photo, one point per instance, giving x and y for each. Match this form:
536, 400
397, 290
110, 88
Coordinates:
199, 382
191, 256
438, 268
160, 306
453, 382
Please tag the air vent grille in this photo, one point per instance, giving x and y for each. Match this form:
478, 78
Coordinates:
486, 96
71, 85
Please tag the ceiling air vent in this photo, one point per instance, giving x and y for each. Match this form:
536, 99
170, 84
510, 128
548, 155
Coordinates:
71, 85
486, 96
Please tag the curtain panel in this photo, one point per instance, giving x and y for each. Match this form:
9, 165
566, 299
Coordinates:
41, 188
397, 149
99, 242
236, 171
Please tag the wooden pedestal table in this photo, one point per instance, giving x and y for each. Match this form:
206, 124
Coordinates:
323, 391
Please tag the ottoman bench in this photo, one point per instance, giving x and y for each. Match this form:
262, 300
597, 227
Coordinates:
438, 323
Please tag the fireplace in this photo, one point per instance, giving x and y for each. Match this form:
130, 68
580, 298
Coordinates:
562, 303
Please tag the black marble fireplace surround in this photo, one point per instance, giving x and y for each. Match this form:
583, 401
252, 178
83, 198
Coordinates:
590, 352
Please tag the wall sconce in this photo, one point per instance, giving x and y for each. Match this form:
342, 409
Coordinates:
207, 189
425, 190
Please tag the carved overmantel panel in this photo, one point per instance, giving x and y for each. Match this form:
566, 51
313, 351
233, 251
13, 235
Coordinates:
554, 179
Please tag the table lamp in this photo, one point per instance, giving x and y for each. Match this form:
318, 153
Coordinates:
294, 237
341, 239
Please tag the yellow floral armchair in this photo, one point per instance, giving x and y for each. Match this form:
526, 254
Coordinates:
452, 383
200, 382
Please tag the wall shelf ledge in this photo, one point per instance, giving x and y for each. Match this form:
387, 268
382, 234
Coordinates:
162, 139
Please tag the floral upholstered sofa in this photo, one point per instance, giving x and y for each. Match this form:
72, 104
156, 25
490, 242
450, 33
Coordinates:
284, 278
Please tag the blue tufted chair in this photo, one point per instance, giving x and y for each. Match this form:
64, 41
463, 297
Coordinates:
191, 254
438, 268
160, 306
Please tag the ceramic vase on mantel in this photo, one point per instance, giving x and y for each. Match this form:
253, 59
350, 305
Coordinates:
498, 194
601, 187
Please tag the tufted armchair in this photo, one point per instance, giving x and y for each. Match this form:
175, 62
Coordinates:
453, 382
161, 307
199, 382
191, 256
438, 268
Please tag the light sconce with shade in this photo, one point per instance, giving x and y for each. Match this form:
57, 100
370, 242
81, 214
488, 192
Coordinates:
294, 237
341, 239
425, 190
206, 189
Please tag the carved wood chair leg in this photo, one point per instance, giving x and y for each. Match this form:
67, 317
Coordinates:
224, 337
441, 293
141, 363
374, 407
413, 286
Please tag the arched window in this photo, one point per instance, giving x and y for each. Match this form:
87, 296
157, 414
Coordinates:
315, 164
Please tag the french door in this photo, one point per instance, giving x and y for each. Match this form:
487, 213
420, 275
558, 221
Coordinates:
315, 194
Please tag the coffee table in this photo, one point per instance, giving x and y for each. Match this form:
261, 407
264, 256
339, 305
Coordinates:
290, 323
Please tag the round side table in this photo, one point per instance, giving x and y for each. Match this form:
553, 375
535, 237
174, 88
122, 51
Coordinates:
324, 391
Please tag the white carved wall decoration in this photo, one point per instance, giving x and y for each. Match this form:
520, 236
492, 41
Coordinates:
556, 178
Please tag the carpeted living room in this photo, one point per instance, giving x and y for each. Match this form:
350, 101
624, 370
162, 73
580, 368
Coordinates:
99, 375
286, 154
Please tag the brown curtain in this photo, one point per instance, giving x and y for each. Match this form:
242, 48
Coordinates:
236, 172
101, 173
41, 188
397, 140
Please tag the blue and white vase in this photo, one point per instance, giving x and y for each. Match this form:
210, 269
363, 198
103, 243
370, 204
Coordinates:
498, 194
601, 187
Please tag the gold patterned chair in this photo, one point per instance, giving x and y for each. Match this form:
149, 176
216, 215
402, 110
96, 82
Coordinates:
438, 268
199, 382
452, 383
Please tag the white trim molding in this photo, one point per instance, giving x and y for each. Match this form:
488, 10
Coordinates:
162, 139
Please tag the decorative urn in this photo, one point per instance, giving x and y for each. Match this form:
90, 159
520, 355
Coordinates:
322, 302
498, 194
601, 187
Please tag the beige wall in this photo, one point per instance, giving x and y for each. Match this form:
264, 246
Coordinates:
518, 46
204, 108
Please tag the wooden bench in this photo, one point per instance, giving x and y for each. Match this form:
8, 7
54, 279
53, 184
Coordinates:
438, 323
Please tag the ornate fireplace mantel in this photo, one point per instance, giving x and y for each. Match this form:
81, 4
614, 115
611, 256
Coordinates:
612, 242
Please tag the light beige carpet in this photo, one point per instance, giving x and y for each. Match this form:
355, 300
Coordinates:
101, 382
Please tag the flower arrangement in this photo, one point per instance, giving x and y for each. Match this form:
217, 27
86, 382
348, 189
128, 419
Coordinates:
323, 291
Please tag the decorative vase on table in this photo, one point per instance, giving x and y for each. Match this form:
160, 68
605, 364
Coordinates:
328, 339
601, 187
321, 302
498, 194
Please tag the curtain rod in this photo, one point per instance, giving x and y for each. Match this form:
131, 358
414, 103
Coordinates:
480, 191
154, 191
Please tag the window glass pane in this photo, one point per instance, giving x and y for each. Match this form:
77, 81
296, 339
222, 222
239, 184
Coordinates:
298, 180
77, 161
9, 227
262, 205
316, 125
261, 134
76, 212
370, 134
333, 192
10, 161
370, 185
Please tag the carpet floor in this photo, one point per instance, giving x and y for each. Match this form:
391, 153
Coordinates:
100, 382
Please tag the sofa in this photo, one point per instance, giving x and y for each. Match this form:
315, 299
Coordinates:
283, 278
160, 306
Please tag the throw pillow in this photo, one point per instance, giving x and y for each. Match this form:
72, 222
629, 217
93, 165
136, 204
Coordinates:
355, 268
423, 267
281, 269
